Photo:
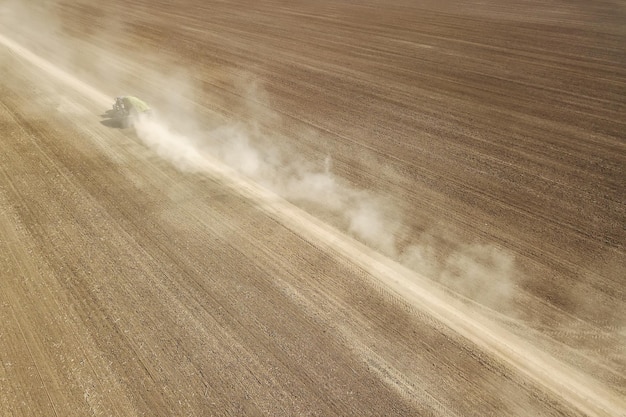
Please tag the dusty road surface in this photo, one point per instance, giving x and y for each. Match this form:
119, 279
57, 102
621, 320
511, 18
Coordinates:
338, 208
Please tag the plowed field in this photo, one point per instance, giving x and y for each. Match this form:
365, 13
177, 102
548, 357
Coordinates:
337, 208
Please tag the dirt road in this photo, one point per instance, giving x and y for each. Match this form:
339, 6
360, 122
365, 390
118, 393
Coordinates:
341, 209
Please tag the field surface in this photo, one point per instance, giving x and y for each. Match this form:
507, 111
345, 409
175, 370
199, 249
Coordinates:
337, 208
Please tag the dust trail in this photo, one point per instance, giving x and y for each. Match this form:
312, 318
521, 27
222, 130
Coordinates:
482, 272
368, 217
576, 388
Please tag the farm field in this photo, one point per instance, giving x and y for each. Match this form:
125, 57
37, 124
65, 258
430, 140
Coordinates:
336, 208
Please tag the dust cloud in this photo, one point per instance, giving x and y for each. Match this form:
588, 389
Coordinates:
479, 271
178, 134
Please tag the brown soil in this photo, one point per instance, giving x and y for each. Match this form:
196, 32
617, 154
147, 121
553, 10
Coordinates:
129, 287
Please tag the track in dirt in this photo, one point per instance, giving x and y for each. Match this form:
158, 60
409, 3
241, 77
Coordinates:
506, 351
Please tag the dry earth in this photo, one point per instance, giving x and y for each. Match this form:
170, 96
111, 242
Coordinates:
446, 238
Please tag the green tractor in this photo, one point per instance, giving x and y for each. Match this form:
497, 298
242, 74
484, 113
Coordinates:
127, 109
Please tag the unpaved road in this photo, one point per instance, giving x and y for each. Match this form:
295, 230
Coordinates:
130, 287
